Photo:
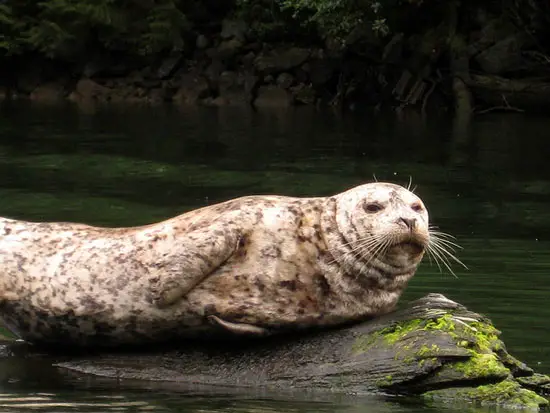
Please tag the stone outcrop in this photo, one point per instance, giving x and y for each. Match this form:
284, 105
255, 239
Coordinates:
229, 64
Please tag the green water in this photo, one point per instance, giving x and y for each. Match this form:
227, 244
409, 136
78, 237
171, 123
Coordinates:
489, 186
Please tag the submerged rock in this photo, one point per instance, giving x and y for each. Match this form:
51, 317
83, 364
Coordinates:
272, 96
87, 89
48, 92
192, 88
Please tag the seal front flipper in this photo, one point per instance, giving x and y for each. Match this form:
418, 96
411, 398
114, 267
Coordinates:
195, 257
239, 328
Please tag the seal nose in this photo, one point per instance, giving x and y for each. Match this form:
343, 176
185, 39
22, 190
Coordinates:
410, 223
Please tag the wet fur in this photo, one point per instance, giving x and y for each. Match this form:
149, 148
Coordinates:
253, 265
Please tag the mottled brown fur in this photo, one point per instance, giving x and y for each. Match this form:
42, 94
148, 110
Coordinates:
256, 265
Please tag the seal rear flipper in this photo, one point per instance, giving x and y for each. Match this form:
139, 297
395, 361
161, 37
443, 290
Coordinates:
239, 328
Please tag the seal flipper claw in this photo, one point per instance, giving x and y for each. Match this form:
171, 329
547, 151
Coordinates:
239, 328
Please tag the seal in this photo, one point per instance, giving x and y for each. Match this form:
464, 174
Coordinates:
255, 265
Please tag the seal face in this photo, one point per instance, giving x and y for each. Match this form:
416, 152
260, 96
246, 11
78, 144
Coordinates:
254, 265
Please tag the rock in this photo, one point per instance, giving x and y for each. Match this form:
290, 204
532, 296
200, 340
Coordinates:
213, 72
108, 67
212, 53
285, 80
304, 94
124, 92
321, 71
248, 60
251, 84
234, 29
30, 79
87, 89
503, 56
169, 66
229, 48
93, 67
269, 79
157, 95
231, 88
193, 87
433, 349
335, 47
255, 47
135, 78
272, 96
216, 102
202, 42
281, 60
48, 92
301, 73
150, 83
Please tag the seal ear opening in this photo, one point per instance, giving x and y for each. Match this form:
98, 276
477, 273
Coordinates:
238, 328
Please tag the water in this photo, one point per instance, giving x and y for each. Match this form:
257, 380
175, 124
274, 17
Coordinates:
490, 187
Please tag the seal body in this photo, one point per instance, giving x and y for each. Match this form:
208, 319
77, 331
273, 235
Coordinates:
253, 265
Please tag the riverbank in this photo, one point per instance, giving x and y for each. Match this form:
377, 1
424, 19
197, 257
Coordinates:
457, 57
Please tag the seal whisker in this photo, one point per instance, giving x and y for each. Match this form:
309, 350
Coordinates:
353, 248
431, 255
445, 242
441, 234
442, 249
440, 258
360, 245
448, 253
384, 242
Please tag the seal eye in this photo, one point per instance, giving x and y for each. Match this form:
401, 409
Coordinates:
416, 207
373, 207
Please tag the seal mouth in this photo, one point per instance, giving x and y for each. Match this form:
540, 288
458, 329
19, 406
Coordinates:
413, 246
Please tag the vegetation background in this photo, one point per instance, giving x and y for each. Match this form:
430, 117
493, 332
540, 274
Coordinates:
377, 52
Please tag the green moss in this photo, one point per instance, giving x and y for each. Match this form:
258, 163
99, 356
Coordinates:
364, 342
484, 335
535, 380
481, 365
393, 334
386, 381
443, 323
507, 393
427, 351
433, 360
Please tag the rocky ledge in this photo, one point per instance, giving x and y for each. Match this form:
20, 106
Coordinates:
222, 69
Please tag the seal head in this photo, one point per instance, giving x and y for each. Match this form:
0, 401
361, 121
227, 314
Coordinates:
382, 225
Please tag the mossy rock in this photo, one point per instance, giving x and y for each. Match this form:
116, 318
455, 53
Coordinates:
508, 394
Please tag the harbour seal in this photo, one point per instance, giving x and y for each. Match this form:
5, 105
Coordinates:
254, 265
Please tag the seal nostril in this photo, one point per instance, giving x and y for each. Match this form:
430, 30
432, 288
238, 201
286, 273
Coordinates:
410, 223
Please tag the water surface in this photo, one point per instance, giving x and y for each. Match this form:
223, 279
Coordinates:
490, 187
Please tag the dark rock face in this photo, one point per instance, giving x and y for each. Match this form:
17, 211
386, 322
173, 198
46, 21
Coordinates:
281, 60
169, 66
272, 96
233, 55
503, 56
225, 69
193, 87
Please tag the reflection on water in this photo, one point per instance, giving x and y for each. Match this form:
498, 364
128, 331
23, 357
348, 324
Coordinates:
133, 165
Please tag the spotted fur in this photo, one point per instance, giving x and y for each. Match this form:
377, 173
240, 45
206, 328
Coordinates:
253, 265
